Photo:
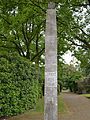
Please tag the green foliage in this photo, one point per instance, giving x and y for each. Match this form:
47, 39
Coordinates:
84, 57
19, 89
23, 26
68, 76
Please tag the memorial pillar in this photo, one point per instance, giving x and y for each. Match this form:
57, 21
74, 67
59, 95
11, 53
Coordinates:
50, 100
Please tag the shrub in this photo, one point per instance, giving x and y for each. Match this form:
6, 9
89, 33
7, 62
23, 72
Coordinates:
19, 88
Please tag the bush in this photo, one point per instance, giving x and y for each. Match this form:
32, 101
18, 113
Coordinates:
19, 89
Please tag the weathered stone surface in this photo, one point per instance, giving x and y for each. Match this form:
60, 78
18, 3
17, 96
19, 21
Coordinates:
51, 5
51, 66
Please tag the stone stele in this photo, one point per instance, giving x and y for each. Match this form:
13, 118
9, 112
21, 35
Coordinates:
50, 106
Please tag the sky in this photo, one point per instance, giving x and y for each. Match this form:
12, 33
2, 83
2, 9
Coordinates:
68, 58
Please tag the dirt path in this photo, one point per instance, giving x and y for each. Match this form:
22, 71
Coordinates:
78, 107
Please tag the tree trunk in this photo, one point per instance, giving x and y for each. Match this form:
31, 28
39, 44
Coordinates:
50, 112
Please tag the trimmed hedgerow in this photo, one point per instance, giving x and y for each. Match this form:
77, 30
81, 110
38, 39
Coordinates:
19, 88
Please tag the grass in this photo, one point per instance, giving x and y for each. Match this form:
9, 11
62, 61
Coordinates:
86, 95
37, 113
61, 105
40, 105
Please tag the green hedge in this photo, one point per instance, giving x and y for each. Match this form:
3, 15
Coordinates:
19, 88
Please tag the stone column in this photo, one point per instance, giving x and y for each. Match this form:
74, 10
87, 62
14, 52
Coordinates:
50, 108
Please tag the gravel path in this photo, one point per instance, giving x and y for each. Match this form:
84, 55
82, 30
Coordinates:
78, 107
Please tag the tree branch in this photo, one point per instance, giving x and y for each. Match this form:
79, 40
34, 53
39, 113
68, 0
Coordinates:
3, 36
84, 32
81, 5
33, 3
84, 41
23, 32
38, 54
83, 46
5, 20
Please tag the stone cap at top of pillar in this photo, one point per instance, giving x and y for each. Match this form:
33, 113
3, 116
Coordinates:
51, 5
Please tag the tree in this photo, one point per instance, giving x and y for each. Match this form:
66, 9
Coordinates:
69, 77
84, 57
23, 26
